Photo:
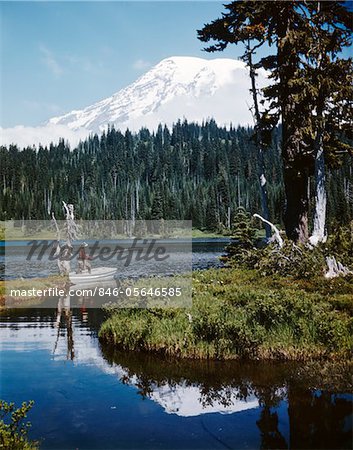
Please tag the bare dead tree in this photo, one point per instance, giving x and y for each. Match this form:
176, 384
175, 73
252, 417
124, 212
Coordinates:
258, 139
276, 237
64, 252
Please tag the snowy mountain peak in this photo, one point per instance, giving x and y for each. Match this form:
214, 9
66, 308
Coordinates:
186, 69
176, 88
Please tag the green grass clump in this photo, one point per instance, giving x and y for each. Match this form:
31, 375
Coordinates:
240, 314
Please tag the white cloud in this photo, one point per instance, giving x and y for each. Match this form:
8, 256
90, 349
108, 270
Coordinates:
140, 64
44, 135
50, 61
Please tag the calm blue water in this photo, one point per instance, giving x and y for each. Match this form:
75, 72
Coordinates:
205, 254
92, 397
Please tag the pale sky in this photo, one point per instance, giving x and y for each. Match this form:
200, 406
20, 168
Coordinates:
59, 56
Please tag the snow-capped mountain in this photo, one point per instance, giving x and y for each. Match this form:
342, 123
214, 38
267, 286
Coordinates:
178, 87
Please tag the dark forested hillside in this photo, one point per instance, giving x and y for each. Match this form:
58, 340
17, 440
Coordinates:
198, 172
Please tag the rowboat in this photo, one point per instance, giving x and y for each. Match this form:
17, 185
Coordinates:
97, 275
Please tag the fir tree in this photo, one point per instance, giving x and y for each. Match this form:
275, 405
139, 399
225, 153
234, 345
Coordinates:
291, 29
243, 236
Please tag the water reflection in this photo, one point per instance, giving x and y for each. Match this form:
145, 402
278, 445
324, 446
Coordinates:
64, 314
64, 311
319, 419
315, 418
203, 404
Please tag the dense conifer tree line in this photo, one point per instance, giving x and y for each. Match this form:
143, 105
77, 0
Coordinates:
199, 172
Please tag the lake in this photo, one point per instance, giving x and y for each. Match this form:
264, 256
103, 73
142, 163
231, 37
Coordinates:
205, 254
90, 396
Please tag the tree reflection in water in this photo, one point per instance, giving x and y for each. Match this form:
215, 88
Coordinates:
317, 418
64, 312
64, 316
271, 438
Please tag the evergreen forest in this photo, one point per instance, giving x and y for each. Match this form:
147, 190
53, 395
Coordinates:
199, 172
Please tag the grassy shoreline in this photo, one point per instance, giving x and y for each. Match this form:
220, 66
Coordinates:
240, 314
52, 281
10, 233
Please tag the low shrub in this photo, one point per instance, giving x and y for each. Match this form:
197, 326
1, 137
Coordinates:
340, 244
13, 428
296, 260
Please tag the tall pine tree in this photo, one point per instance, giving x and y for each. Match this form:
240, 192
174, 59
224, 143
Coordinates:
290, 33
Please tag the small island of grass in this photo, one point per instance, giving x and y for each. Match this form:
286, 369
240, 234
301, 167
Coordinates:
238, 313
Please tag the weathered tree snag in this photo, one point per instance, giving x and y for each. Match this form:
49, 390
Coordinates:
322, 106
335, 268
259, 143
71, 227
64, 252
276, 233
61, 252
56, 227
319, 231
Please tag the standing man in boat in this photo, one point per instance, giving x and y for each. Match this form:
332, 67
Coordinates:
83, 260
